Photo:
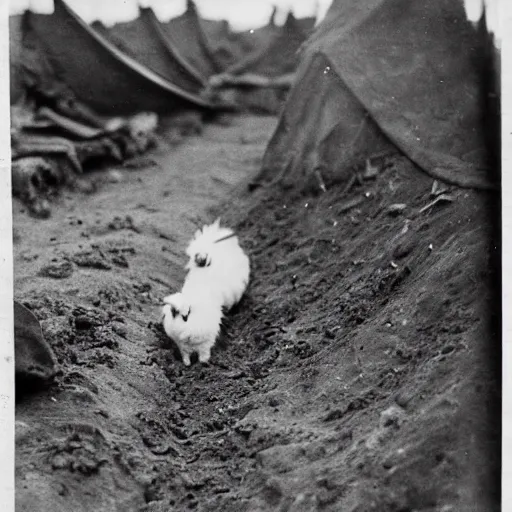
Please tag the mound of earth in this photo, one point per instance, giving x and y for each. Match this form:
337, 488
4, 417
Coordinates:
358, 373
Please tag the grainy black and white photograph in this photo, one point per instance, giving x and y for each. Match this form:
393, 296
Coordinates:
256, 255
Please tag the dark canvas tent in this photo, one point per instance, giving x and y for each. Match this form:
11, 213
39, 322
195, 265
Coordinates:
144, 40
260, 81
34, 82
186, 33
278, 57
223, 44
216, 30
30, 65
250, 41
99, 27
385, 75
101, 75
306, 24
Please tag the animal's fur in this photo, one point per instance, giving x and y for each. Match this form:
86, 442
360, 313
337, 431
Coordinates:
223, 264
192, 318
218, 274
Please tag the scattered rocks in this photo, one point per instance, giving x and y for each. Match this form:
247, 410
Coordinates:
303, 349
120, 329
274, 401
83, 322
119, 223
103, 259
334, 414
21, 430
245, 429
448, 349
120, 260
392, 417
330, 333
58, 270
404, 397
394, 458
90, 259
390, 420
405, 247
394, 210
60, 462
114, 176
78, 453
155, 506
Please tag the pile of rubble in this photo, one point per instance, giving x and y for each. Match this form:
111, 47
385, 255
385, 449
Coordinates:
52, 145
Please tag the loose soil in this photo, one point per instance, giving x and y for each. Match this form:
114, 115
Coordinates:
359, 372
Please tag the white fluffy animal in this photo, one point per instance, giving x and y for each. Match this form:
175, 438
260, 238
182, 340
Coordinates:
217, 256
218, 275
192, 319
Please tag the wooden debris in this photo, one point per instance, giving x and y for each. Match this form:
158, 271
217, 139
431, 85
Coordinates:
444, 198
438, 190
351, 203
320, 180
348, 187
370, 171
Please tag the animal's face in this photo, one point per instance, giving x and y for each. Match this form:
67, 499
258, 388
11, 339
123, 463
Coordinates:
202, 259
178, 306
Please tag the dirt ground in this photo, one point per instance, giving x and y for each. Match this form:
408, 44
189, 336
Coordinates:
359, 373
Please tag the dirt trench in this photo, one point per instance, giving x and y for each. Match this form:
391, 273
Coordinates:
358, 373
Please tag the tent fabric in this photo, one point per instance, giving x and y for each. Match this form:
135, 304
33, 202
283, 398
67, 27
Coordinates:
307, 24
37, 85
257, 39
215, 30
278, 57
37, 73
143, 39
250, 41
224, 46
99, 27
186, 34
385, 75
157, 26
99, 74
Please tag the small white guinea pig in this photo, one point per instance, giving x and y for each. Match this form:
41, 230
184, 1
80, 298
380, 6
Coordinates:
192, 319
217, 257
